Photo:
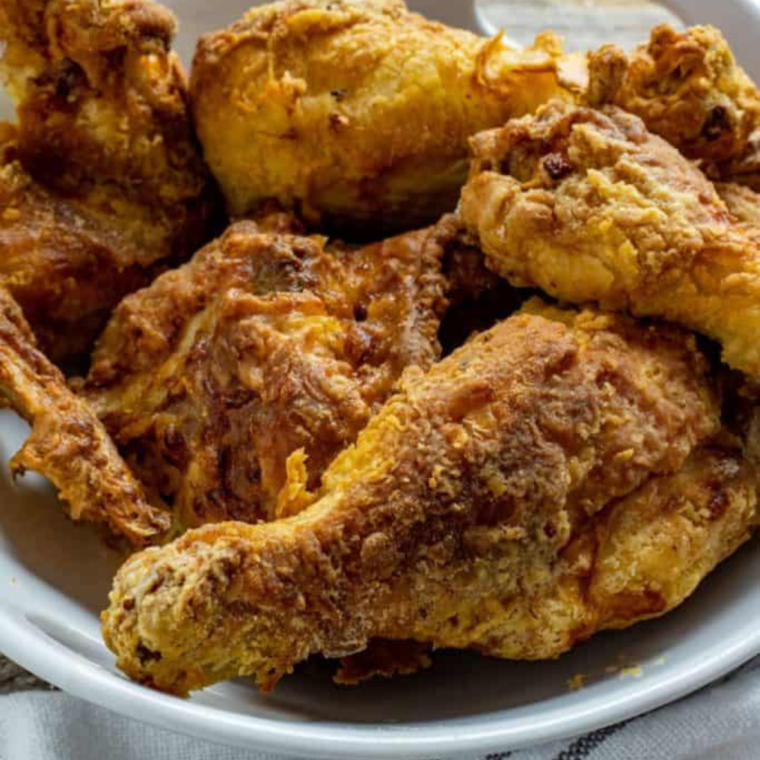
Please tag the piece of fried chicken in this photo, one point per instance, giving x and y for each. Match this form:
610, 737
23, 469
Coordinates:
591, 207
743, 202
358, 113
101, 180
267, 343
689, 89
557, 475
68, 444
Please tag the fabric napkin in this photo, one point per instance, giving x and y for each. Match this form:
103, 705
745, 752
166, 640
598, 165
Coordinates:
722, 722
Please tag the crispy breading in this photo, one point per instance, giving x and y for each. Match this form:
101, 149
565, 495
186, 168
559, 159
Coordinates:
267, 343
102, 177
742, 201
68, 444
687, 87
358, 114
484, 507
65, 265
590, 207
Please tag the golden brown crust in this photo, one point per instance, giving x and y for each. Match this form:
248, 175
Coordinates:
743, 202
68, 444
591, 207
706, 511
688, 88
465, 515
104, 160
101, 97
267, 343
65, 266
358, 114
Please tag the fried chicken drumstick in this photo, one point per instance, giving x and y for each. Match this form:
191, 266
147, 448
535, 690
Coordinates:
358, 114
557, 475
68, 443
101, 180
265, 344
590, 207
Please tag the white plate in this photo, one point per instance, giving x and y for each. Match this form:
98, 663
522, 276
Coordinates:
54, 577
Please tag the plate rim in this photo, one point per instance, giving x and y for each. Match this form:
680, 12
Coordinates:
51, 660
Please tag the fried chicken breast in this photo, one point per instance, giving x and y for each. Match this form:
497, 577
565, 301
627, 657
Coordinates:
101, 179
68, 444
358, 113
557, 475
688, 88
267, 343
590, 207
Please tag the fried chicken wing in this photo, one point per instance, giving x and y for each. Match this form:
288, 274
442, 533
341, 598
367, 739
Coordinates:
68, 444
102, 177
267, 343
557, 475
590, 207
688, 88
358, 113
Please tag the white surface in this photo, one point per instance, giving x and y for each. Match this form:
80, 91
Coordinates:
54, 578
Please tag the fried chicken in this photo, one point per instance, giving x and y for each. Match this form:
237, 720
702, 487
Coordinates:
358, 114
68, 444
688, 88
267, 343
590, 207
557, 475
741, 201
102, 178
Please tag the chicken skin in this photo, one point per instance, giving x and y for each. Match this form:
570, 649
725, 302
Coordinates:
742, 202
101, 180
68, 444
590, 207
688, 88
267, 344
559, 474
66, 265
358, 114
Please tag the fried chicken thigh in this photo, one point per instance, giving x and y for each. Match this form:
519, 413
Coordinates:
688, 88
267, 343
68, 443
557, 475
101, 179
358, 113
590, 207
